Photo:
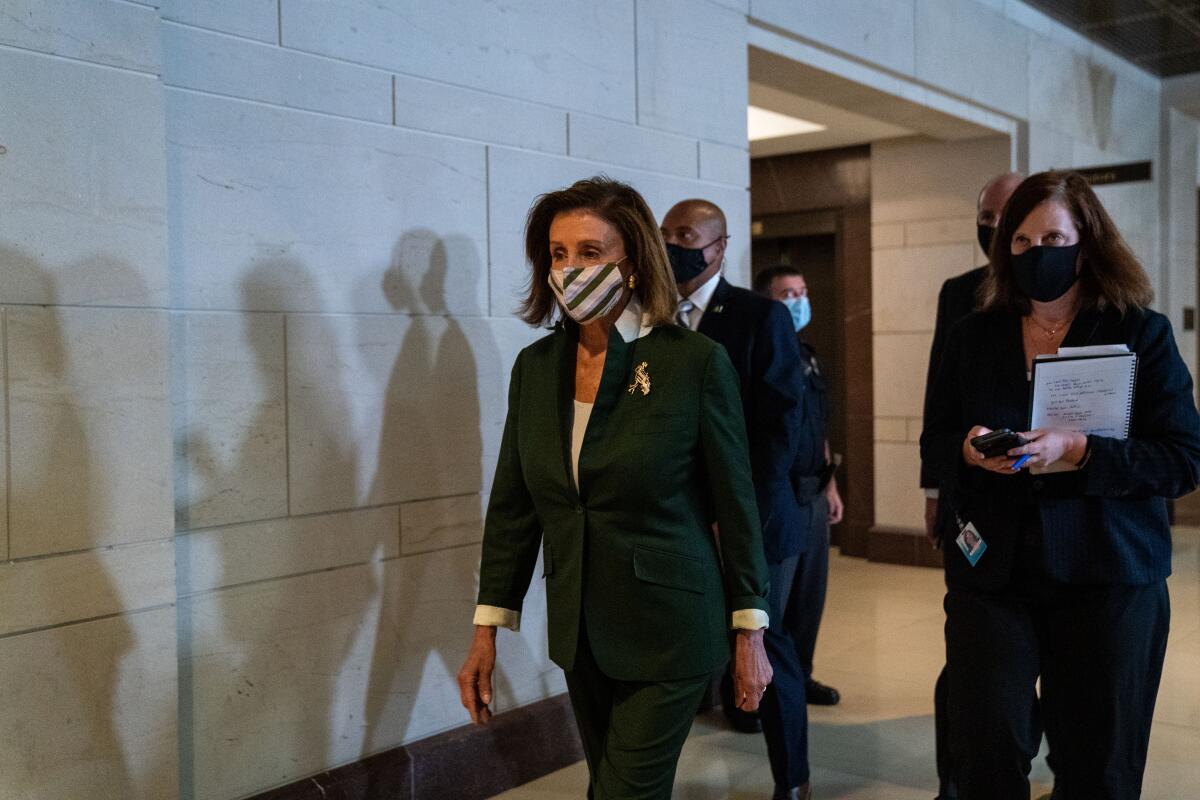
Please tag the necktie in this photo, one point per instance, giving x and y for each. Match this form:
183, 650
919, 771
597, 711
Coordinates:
686, 307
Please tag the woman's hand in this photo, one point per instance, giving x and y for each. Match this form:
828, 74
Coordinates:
751, 670
1047, 445
475, 677
1001, 465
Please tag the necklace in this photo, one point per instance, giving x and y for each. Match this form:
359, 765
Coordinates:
1050, 332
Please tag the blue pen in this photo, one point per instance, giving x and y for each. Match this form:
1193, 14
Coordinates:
1020, 462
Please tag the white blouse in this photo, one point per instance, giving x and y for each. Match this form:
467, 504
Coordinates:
583, 412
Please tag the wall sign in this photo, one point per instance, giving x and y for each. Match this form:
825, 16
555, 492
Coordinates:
1116, 173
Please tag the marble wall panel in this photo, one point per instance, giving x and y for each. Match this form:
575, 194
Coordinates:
940, 231
887, 235
253, 19
213, 62
599, 139
573, 54
41, 592
422, 696
390, 409
90, 426
898, 501
4, 489
289, 676
920, 179
891, 429
427, 525
724, 164
443, 108
230, 425
285, 210
106, 32
516, 178
905, 282
90, 710
1049, 149
82, 203
901, 364
677, 91
877, 31
217, 558
973, 52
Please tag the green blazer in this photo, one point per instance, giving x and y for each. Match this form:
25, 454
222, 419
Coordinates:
630, 555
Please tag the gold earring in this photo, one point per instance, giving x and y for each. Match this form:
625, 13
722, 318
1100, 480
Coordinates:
631, 281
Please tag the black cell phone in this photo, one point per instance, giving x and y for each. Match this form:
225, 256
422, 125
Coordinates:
997, 443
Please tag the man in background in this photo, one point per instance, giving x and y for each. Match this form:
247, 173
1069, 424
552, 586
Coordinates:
813, 480
760, 339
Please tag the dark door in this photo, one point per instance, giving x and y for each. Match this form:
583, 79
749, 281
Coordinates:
809, 242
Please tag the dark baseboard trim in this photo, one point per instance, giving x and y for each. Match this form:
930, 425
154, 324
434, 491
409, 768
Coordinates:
467, 763
895, 545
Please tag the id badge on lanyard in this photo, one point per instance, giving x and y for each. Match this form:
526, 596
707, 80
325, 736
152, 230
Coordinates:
970, 541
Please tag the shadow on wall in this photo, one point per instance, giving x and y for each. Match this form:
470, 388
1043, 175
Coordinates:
291, 672
261, 685
431, 457
83, 695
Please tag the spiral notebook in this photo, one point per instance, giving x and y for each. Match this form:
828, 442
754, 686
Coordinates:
1088, 389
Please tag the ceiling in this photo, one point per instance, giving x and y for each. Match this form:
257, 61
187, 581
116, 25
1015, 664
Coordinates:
1160, 36
850, 113
836, 127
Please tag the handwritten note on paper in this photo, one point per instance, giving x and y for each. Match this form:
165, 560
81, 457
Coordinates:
1092, 395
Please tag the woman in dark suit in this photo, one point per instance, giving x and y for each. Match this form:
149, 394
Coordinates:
1071, 587
625, 437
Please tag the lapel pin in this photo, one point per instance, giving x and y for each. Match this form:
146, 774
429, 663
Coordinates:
641, 380
718, 309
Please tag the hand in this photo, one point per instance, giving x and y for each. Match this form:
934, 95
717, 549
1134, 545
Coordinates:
931, 508
836, 508
751, 670
1002, 465
475, 677
1047, 445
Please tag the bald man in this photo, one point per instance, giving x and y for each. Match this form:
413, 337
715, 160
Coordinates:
760, 338
958, 298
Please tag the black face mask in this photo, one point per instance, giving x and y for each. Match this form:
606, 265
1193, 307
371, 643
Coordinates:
687, 263
984, 234
1046, 273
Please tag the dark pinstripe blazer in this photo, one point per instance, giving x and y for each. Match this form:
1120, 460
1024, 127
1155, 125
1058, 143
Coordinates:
1104, 524
955, 301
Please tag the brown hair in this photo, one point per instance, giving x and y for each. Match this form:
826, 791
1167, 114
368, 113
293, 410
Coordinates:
622, 207
1110, 273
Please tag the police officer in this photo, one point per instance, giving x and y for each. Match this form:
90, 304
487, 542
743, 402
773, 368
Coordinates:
813, 479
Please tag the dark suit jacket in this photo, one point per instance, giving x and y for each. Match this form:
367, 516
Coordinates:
956, 299
630, 555
1104, 524
760, 339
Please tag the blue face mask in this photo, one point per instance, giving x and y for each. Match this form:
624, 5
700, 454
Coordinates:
801, 311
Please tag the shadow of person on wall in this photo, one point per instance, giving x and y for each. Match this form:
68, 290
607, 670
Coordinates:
432, 451
85, 731
261, 657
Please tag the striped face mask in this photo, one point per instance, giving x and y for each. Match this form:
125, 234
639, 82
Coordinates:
588, 293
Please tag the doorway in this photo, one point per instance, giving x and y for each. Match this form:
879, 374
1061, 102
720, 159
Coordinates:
808, 242
812, 210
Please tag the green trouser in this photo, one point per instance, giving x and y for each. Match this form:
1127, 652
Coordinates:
632, 731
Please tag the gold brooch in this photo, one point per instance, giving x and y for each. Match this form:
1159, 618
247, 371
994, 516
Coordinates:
641, 380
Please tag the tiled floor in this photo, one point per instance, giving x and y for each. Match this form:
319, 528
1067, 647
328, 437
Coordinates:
881, 645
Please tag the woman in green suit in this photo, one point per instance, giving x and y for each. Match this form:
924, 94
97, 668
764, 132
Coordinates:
625, 441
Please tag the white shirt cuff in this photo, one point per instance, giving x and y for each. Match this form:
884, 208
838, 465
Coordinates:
931, 494
500, 617
750, 619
